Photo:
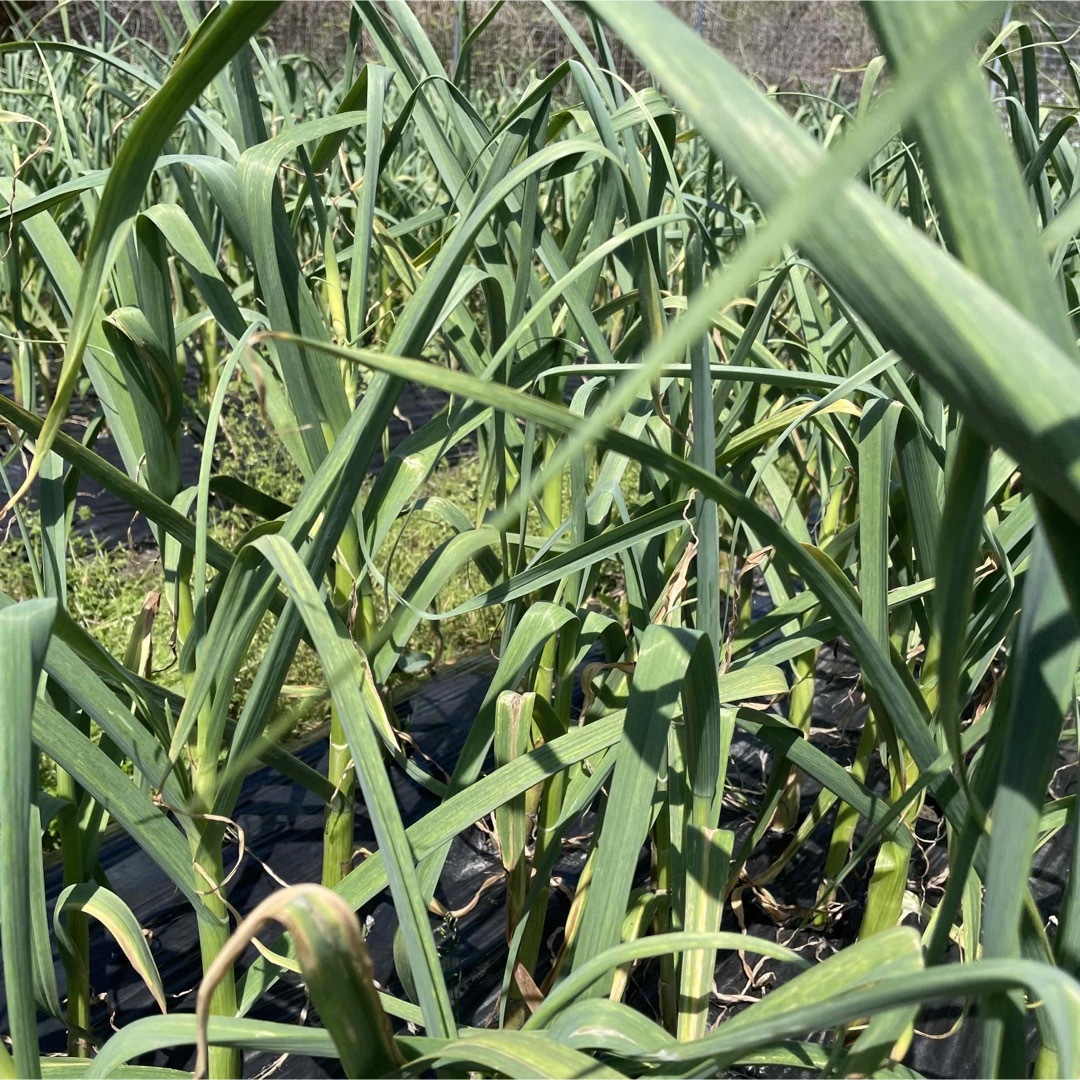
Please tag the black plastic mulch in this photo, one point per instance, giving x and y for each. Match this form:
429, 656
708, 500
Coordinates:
112, 521
283, 826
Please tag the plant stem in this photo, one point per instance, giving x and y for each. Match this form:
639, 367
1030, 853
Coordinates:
78, 969
662, 922
846, 817
225, 1061
800, 713
338, 822
206, 839
211, 366
339, 818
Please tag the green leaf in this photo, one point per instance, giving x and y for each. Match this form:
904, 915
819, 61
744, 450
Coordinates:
145, 822
337, 970
205, 55
965, 339
1057, 992
585, 976
105, 906
164, 1032
670, 658
76, 1068
1046, 654
24, 637
708, 860
515, 1054
897, 697
593, 1024
341, 663
470, 804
